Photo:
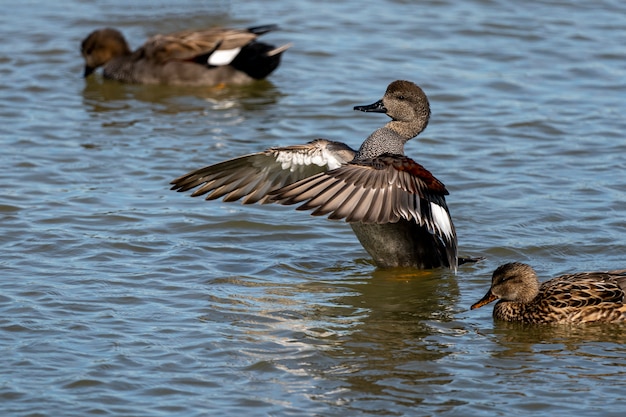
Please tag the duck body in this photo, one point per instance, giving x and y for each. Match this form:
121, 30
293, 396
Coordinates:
573, 298
405, 242
173, 73
394, 205
207, 57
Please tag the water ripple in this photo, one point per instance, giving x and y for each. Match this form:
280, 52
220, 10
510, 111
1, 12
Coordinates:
121, 297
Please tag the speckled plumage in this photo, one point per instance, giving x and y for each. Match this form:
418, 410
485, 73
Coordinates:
572, 298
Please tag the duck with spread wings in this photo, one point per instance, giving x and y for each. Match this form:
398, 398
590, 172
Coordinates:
395, 206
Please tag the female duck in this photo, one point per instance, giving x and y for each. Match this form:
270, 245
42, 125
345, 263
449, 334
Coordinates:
573, 298
207, 57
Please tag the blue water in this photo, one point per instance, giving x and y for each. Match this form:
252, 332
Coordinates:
120, 297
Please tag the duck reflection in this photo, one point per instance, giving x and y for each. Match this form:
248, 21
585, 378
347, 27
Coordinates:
399, 315
396, 341
100, 95
401, 304
514, 339
369, 334
333, 325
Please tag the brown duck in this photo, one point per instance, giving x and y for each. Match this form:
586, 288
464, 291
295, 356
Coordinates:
209, 57
573, 298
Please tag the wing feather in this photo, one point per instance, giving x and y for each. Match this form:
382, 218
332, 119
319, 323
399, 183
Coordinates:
379, 190
363, 200
189, 44
351, 199
328, 199
253, 177
395, 187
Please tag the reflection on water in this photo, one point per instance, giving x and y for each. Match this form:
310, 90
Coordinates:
372, 337
540, 366
518, 339
390, 351
121, 297
100, 93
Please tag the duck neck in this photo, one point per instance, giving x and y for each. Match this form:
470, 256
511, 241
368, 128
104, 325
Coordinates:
409, 129
381, 141
510, 310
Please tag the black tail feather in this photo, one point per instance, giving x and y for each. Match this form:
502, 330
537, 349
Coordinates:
253, 60
260, 30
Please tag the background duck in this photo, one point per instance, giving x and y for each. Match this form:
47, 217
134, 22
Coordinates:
206, 57
395, 206
572, 298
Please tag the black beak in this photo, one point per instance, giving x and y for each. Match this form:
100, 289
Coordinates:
377, 107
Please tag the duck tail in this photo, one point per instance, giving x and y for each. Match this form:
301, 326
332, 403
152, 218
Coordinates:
260, 30
258, 59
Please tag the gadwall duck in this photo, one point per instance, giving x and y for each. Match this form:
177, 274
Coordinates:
395, 206
573, 298
210, 57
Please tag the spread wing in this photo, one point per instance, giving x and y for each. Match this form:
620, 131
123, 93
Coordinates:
221, 45
378, 190
254, 176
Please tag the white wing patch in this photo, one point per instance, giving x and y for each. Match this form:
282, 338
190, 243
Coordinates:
441, 219
294, 160
328, 158
223, 57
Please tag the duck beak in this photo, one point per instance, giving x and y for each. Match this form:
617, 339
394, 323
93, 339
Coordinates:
377, 107
489, 297
88, 71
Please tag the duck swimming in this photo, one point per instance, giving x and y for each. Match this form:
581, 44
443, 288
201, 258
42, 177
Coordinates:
209, 57
573, 298
395, 206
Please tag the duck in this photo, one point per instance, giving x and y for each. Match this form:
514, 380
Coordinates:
395, 206
209, 57
572, 298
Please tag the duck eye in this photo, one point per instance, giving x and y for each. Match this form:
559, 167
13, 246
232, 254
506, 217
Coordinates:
401, 97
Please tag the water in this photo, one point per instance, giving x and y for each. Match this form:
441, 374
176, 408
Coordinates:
120, 297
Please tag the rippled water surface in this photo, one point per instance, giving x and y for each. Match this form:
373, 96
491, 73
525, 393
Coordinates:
120, 297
